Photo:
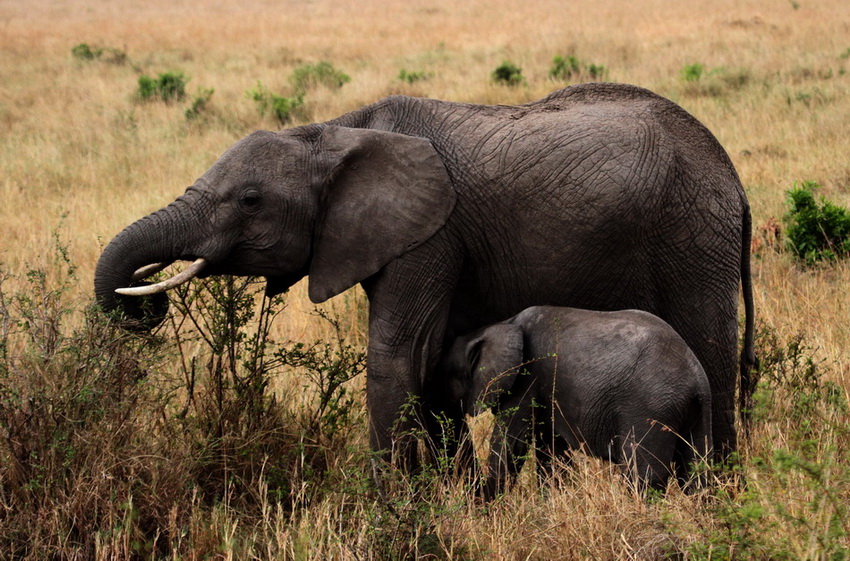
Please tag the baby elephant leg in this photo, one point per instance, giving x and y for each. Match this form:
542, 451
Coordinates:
550, 449
647, 459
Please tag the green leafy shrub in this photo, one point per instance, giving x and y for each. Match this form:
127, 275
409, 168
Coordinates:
117, 445
411, 77
167, 87
692, 72
235, 404
815, 231
328, 367
716, 82
85, 52
281, 108
199, 104
508, 74
71, 387
321, 74
565, 68
793, 505
795, 393
596, 71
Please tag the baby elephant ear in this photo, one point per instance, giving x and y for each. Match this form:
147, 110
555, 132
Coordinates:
494, 359
388, 193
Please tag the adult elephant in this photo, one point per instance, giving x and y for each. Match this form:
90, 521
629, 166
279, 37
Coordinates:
453, 216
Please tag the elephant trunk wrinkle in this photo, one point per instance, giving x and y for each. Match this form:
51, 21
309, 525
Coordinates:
138, 251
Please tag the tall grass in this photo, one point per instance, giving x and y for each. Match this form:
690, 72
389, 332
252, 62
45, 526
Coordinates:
198, 441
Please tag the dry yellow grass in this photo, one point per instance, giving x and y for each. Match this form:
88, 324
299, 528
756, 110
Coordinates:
81, 157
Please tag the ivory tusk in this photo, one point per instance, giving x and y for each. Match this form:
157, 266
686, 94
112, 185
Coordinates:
148, 270
186, 275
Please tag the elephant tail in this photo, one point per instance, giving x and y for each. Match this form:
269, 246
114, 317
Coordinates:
749, 362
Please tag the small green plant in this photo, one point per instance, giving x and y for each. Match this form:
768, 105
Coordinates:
199, 104
816, 231
85, 52
167, 87
328, 367
321, 74
411, 77
809, 465
281, 108
508, 74
596, 71
795, 391
564, 68
715, 82
692, 72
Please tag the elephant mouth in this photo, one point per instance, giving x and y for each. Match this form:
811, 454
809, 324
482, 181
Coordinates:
279, 284
174, 281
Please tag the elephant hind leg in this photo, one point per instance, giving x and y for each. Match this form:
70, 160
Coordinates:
647, 462
550, 450
694, 445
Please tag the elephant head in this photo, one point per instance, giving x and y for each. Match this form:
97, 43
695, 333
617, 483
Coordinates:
331, 202
483, 366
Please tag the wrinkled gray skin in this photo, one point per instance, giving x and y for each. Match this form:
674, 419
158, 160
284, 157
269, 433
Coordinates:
622, 386
454, 216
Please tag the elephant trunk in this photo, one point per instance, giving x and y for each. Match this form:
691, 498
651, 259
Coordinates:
154, 239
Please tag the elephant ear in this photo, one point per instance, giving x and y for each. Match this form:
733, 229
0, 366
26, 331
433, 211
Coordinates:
388, 193
494, 359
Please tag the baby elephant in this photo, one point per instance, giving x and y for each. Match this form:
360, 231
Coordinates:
622, 386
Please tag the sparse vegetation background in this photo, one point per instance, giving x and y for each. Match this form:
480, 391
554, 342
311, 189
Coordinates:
238, 429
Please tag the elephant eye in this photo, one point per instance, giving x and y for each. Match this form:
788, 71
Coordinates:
250, 199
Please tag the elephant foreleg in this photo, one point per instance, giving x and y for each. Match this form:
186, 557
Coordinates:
393, 404
408, 310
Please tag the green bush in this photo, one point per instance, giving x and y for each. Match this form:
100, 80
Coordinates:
596, 71
816, 231
692, 72
169, 86
411, 77
715, 82
322, 74
119, 442
199, 104
796, 486
508, 74
85, 52
565, 68
795, 391
281, 108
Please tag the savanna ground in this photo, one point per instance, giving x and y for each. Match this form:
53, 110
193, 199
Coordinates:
218, 437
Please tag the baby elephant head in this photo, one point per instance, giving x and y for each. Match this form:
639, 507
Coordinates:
483, 366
